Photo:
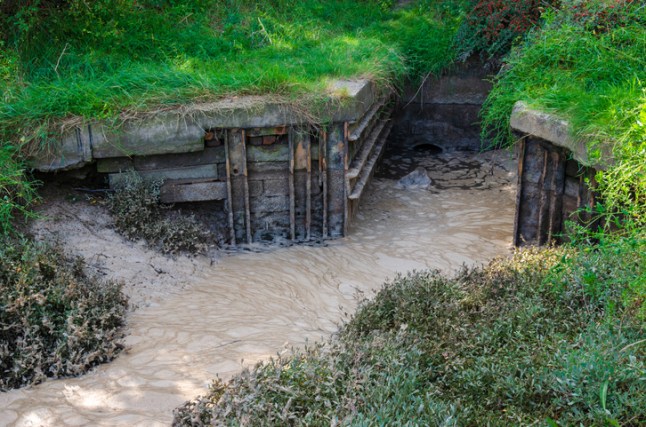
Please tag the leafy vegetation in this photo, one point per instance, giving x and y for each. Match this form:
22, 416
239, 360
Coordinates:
55, 319
138, 214
524, 341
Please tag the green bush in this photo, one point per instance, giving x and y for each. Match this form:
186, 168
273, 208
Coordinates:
515, 343
55, 319
138, 214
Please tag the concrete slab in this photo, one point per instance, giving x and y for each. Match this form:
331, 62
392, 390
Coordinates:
557, 131
72, 152
182, 130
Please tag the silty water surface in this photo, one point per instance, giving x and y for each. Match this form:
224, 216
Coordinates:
244, 307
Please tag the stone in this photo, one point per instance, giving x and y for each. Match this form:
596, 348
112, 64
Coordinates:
416, 180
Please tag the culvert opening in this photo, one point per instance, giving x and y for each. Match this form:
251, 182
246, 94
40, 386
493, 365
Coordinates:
427, 148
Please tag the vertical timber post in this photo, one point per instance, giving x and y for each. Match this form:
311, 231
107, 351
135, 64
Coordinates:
519, 190
308, 189
323, 178
237, 160
292, 196
557, 189
245, 174
302, 182
336, 165
543, 205
232, 229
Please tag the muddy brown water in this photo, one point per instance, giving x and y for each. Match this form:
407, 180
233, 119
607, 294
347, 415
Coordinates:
202, 317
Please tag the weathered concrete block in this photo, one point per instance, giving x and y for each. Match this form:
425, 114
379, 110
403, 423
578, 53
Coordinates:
557, 131
268, 153
258, 168
270, 204
161, 133
276, 187
467, 84
71, 152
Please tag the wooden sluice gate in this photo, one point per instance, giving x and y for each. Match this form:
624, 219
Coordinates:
279, 176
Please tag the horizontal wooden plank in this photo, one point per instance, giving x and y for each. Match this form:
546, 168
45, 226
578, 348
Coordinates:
196, 172
114, 164
207, 156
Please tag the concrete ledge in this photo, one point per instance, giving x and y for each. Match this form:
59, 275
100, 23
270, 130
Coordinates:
557, 131
72, 152
182, 130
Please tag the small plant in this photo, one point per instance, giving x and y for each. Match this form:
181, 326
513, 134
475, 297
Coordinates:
55, 319
138, 214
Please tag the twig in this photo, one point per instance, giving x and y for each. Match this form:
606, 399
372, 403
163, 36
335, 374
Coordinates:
59, 59
418, 89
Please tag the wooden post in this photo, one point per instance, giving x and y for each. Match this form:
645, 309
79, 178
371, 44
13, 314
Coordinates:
229, 202
245, 174
308, 189
336, 167
557, 189
519, 190
543, 205
237, 160
323, 177
292, 196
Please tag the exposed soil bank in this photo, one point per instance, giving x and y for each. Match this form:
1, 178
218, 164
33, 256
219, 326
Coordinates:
197, 318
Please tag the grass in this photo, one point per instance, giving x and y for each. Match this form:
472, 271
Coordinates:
534, 340
97, 61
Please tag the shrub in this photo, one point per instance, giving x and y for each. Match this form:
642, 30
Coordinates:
492, 26
138, 214
56, 320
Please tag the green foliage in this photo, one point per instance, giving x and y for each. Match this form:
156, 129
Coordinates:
138, 214
17, 192
520, 342
56, 320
